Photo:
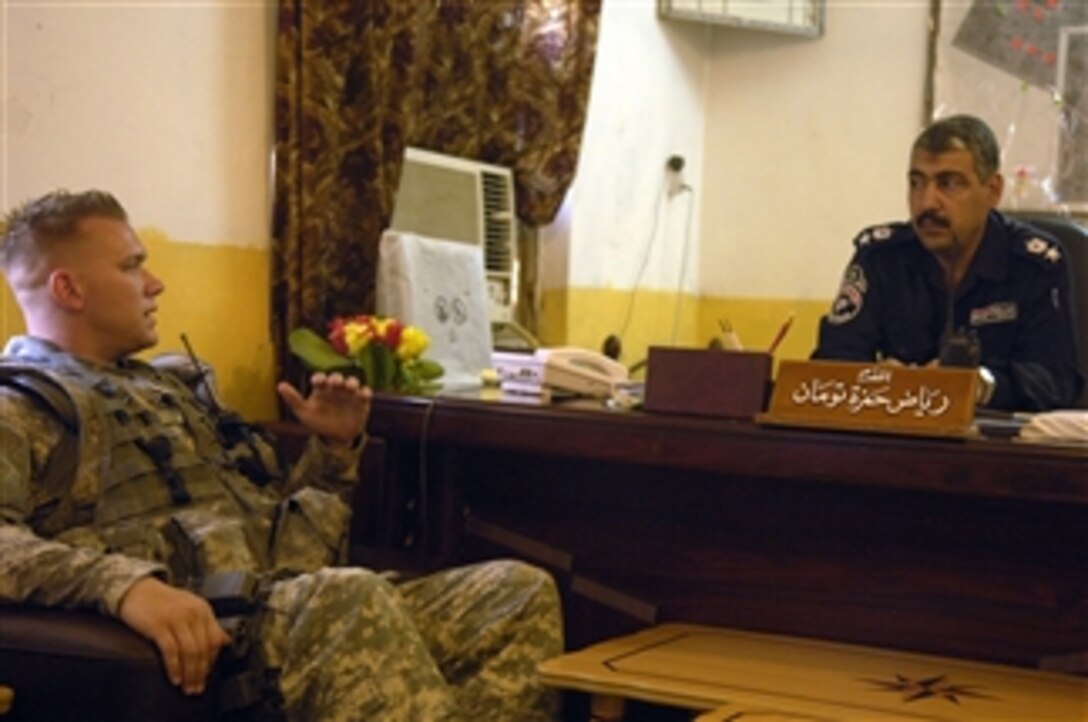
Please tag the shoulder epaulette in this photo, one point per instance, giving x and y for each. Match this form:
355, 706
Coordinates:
1038, 247
881, 235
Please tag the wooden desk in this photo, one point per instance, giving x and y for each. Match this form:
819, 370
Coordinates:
974, 548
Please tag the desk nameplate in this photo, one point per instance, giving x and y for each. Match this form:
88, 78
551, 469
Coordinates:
700, 382
874, 397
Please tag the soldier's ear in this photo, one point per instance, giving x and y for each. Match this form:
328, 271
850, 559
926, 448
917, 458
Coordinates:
65, 289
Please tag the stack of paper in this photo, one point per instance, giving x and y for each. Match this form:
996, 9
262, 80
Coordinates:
1066, 426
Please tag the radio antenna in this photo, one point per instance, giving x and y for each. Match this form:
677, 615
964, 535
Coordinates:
201, 374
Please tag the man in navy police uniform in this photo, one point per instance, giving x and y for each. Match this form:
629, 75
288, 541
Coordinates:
1010, 283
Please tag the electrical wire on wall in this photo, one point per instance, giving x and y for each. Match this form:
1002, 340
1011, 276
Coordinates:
684, 252
613, 344
671, 185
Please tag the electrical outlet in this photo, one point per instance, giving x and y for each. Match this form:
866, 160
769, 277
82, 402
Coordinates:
674, 172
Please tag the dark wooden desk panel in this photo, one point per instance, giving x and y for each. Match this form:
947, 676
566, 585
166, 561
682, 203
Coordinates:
973, 548
584, 430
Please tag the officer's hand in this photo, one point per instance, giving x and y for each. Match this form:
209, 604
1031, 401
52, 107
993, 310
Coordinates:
181, 624
336, 409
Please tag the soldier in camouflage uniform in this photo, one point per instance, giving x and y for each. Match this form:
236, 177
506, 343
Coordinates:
145, 500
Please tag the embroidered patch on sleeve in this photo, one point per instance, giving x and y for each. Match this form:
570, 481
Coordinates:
851, 297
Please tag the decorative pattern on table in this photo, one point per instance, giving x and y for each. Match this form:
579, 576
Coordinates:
939, 687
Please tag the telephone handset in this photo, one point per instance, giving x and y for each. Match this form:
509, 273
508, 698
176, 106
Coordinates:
581, 371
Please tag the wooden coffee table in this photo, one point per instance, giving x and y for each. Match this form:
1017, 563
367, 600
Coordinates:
733, 675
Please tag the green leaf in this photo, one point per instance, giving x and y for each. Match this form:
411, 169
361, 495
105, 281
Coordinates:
427, 370
417, 376
315, 352
385, 367
366, 363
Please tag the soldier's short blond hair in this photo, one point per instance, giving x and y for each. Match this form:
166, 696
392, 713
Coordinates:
32, 229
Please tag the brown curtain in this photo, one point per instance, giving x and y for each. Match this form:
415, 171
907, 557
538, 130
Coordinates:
503, 81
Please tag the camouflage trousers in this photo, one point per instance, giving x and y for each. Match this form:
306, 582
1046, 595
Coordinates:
460, 645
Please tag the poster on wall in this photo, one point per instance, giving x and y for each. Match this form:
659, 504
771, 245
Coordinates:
1022, 66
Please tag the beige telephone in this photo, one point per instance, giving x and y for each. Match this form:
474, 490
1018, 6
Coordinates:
581, 371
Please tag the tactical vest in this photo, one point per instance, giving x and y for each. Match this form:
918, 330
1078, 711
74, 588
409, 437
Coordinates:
140, 470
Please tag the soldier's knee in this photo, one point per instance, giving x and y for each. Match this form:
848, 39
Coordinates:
366, 581
523, 575
355, 584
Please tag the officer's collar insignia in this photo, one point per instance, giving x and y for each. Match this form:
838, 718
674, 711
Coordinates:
864, 238
882, 233
1053, 254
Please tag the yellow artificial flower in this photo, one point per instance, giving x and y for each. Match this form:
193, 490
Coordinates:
357, 336
413, 342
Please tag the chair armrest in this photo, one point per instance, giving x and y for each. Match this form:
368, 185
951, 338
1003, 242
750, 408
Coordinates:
81, 665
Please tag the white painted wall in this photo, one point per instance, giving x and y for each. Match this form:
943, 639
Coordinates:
168, 105
646, 104
793, 144
807, 142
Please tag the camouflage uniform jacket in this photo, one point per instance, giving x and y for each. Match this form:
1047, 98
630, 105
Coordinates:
154, 491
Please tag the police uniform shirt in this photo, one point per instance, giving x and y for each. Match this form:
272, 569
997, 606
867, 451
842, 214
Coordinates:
1015, 297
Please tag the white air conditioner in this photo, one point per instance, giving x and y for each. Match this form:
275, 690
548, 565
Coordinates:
466, 201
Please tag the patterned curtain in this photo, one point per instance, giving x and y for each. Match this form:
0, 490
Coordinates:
502, 81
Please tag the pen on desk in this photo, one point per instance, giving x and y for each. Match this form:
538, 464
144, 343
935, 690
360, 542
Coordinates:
782, 331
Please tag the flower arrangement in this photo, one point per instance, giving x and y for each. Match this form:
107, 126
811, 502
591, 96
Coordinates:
381, 352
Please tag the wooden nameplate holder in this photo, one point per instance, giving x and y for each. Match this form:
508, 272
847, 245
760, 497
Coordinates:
729, 384
874, 397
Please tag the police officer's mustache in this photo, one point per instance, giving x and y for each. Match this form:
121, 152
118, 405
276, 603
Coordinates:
931, 217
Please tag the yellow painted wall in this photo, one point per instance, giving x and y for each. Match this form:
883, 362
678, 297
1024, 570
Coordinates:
11, 321
189, 154
586, 316
168, 106
216, 295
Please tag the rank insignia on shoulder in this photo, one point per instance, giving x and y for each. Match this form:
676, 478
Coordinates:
1044, 249
873, 234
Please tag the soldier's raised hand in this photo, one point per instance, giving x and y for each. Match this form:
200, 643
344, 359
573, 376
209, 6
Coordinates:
337, 408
